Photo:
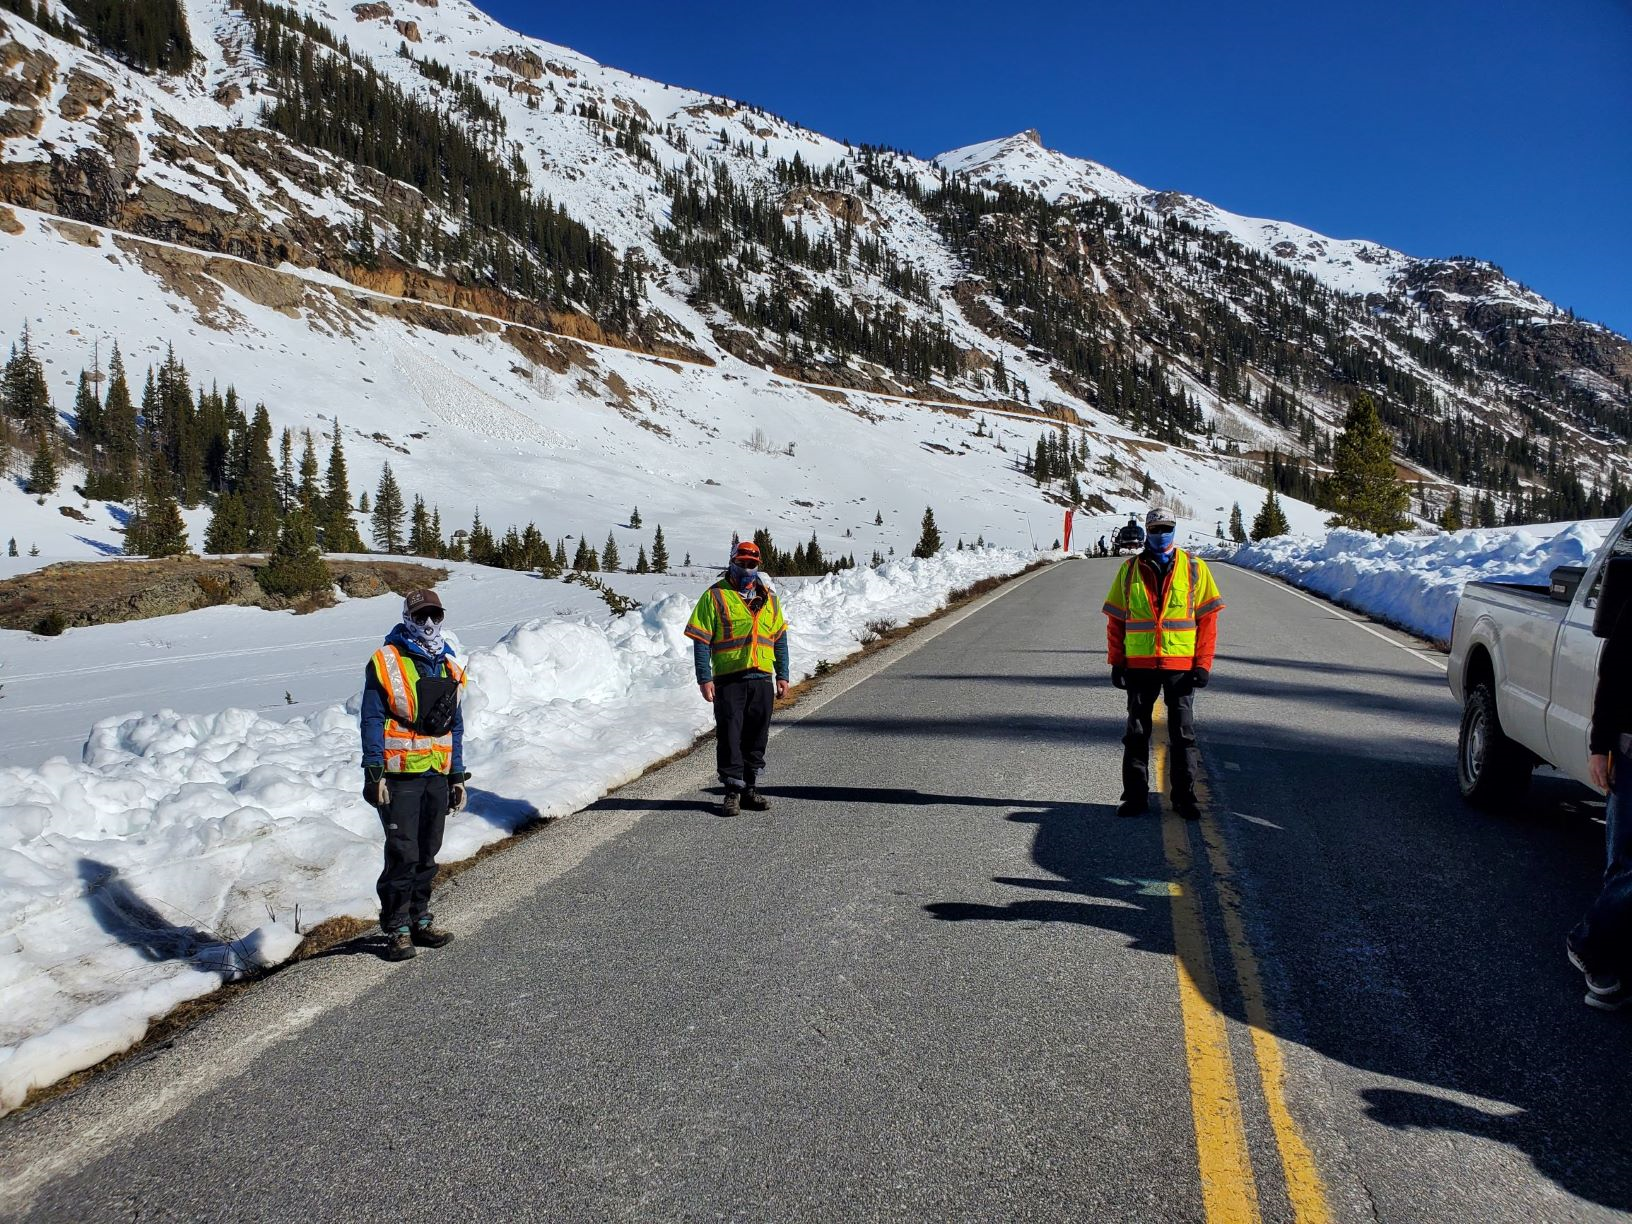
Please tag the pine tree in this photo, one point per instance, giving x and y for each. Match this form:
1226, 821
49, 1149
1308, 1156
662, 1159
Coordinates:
157, 526
388, 513
1451, 519
929, 542
560, 557
87, 413
634, 518
259, 484
878, 518
1238, 531
642, 565
228, 531
11, 547
23, 391
118, 478
584, 559
660, 552
1364, 490
339, 528
42, 472
1271, 520
309, 494
296, 567
288, 489
362, 502
609, 555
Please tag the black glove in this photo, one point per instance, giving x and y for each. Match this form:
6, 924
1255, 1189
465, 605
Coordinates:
1119, 675
375, 790
1199, 677
456, 791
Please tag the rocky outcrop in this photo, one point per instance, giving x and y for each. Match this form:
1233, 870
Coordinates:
408, 29
519, 60
84, 94
372, 11
840, 205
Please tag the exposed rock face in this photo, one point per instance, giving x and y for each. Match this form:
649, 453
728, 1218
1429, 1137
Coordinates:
521, 61
85, 93
371, 12
1475, 293
408, 29
840, 205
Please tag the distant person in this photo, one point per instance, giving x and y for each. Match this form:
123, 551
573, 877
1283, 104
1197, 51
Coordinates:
1601, 943
413, 765
740, 650
1102, 549
1160, 635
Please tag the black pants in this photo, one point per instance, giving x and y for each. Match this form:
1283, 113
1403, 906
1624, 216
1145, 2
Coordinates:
1174, 688
742, 726
413, 820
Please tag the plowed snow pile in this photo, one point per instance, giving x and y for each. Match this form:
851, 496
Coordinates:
1415, 581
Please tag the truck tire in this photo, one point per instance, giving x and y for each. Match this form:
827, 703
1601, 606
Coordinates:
1492, 770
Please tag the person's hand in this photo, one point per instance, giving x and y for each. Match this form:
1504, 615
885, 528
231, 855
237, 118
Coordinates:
375, 790
781, 687
1598, 770
456, 791
1199, 676
1119, 675
706, 688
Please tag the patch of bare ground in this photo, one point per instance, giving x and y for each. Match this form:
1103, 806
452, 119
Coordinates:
72, 594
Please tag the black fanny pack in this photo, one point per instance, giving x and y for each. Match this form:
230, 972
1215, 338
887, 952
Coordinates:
438, 698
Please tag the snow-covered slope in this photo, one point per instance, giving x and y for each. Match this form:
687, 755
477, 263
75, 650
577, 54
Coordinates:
1345, 265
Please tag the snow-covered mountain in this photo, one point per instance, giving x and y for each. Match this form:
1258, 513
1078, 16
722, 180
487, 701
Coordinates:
554, 290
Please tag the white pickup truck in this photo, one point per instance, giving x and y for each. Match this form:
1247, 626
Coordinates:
1524, 665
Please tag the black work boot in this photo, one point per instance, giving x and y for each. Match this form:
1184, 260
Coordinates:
731, 804
1187, 807
754, 801
1133, 807
425, 935
400, 946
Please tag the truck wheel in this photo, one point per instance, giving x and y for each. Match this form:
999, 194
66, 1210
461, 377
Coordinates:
1492, 770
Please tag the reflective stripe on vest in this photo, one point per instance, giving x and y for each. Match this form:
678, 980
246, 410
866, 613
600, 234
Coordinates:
406, 750
744, 640
1170, 634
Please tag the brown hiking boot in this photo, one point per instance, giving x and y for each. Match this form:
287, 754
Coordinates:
755, 802
732, 804
425, 935
400, 946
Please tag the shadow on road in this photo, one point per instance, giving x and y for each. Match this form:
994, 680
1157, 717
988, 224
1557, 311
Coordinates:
1401, 932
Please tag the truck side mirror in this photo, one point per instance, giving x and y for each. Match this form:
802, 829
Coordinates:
1614, 592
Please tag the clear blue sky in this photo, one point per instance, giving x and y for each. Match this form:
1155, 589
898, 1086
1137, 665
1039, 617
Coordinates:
1440, 127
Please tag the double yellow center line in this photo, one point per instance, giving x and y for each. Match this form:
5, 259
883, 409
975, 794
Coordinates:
1229, 1190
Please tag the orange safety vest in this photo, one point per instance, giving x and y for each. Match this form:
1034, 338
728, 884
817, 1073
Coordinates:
406, 750
1169, 632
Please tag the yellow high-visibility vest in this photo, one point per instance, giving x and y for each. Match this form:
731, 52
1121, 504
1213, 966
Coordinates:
739, 639
1170, 633
406, 750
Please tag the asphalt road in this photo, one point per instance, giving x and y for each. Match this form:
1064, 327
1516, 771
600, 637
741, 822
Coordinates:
942, 981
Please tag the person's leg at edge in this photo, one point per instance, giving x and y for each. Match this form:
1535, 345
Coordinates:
1180, 696
1142, 690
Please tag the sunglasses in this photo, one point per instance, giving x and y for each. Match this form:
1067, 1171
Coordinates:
428, 616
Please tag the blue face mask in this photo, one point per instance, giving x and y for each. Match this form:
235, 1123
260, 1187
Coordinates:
1159, 541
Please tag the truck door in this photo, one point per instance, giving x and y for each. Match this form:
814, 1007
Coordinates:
1575, 665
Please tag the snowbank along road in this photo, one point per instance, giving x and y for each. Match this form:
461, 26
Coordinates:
941, 980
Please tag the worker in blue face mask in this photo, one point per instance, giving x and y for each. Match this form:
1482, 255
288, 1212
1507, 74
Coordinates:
1161, 633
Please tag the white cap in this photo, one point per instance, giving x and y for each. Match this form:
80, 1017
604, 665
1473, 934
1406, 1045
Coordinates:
1156, 516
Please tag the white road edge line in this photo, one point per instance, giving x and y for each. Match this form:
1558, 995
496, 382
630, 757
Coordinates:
60, 1138
1328, 606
